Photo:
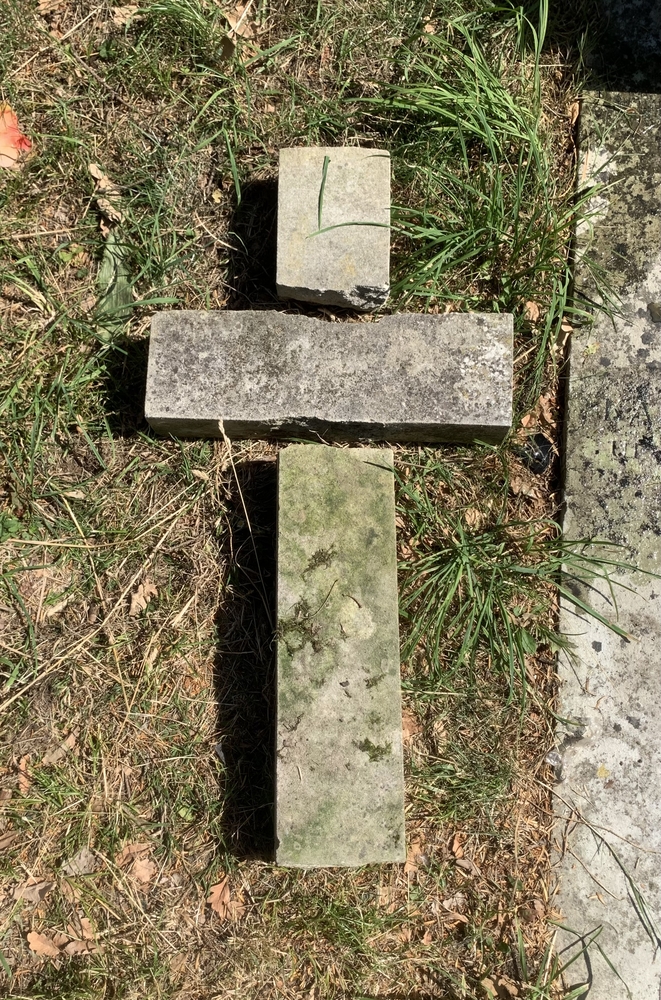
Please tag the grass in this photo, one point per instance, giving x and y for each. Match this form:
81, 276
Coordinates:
135, 645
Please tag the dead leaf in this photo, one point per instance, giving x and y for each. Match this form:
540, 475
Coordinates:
427, 937
506, 988
32, 891
42, 945
8, 838
24, 781
86, 927
455, 903
83, 863
130, 852
103, 183
414, 853
49, 6
489, 988
53, 756
574, 111
142, 596
78, 948
532, 312
429, 28
410, 725
123, 15
539, 908
144, 870
239, 23
111, 212
457, 845
13, 144
5, 794
219, 898
468, 866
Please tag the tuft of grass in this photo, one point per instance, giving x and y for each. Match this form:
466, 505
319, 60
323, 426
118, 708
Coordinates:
488, 220
480, 585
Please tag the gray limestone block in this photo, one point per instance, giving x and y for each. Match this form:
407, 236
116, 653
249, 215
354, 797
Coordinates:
407, 377
334, 226
339, 770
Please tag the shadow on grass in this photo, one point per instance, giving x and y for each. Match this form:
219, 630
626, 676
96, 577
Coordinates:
252, 261
125, 366
619, 41
245, 664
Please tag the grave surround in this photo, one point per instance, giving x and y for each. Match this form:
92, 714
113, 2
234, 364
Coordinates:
609, 701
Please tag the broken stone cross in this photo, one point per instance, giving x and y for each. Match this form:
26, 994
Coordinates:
405, 377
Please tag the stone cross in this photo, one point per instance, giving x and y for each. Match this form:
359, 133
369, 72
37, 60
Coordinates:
405, 377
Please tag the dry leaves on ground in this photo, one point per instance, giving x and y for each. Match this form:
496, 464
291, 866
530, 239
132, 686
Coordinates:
415, 855
221, 902
55, 755
8, 839
13, 143
532, 312
121, 16
107, 194
83, 863
142, 868
43, 945
141, 598
410, 725
237, 18
24, 780
50, 6
32, 891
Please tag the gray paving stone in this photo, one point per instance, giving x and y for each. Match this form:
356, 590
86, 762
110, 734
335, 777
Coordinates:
610, 695
340, 779
405, 377
323, 255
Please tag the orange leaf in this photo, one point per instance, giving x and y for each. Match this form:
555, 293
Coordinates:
144, 870
219, 898
41, 944
12, 140
24, 781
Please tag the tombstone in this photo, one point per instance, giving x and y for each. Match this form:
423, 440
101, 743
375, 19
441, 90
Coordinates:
407, 377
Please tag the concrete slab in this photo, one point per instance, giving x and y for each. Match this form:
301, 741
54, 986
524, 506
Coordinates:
334, 226
340, 776
610, 875
270, 374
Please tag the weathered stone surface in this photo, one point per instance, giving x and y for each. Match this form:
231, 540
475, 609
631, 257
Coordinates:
334, 246
340, 780
405, 377
610, 694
